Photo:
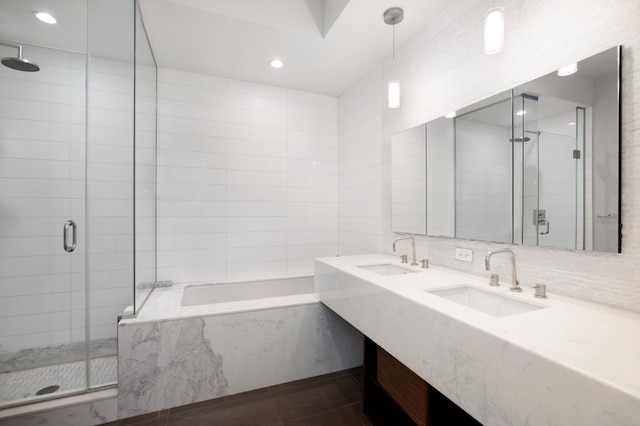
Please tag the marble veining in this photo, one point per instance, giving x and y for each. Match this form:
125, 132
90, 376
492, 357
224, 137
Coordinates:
202, 352
55, 354
88, 409
570, 363
168, 363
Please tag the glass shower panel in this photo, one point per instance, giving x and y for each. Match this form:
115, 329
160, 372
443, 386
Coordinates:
42, 287
145, 165
562, 189
526, 151
110, 177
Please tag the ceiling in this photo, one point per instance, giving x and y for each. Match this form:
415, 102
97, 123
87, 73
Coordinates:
326, 45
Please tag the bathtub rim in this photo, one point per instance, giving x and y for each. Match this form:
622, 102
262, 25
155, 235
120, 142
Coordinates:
164, 303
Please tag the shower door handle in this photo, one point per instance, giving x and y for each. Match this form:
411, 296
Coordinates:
545, 223
65, 236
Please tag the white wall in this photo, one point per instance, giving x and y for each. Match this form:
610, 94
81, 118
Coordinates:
445, 65
409, 184
109, 189
360, 176
247, 178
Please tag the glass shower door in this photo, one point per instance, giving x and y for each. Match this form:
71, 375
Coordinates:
42, 227
548, 170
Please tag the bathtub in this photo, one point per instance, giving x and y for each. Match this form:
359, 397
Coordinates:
205, 294
207, 340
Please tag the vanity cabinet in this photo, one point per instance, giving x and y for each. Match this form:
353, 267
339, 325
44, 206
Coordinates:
394, 395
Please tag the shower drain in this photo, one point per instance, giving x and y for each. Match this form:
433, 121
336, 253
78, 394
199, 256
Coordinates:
48, 390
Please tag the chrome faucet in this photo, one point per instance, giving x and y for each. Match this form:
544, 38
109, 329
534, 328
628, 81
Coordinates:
413, 247
515, 285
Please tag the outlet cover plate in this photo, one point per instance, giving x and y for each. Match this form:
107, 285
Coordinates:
465, 255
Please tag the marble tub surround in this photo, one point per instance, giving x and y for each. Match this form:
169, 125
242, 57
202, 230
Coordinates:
172, 355
572, 362
165, 303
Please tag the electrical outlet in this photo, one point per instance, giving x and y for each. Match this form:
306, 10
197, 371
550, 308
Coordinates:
465, 255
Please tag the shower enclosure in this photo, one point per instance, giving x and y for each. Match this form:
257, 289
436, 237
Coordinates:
77, 196
520, 172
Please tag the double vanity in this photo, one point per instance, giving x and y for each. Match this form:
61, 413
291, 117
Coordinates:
504, 357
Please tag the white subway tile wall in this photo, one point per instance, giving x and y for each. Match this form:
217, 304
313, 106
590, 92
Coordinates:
247, 178
110, 191
443, 68
41, 186
360, 176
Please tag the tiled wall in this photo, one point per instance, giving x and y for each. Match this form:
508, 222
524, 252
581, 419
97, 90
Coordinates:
247, 178
483, 181
360, 190
443, 68
42, 136
45, 167
408, 171
109, 193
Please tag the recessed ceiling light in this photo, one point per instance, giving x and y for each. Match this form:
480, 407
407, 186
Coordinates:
568, 70
45, 17
451, 114
276, 63
571, 123
521, 112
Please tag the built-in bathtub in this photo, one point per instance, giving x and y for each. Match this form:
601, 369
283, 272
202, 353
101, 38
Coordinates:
206, 294
197, 341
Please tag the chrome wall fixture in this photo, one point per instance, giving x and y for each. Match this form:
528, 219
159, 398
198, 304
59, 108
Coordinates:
18, 63
393, 16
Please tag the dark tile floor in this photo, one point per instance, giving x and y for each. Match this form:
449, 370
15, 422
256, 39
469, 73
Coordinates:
333, 399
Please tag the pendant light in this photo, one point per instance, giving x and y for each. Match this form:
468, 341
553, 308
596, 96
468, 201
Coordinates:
494, 30
393, 16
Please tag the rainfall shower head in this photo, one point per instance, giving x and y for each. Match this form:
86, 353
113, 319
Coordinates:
19, 63
526, 139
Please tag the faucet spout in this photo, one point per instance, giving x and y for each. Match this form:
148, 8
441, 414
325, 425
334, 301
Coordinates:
413, 247
515, 285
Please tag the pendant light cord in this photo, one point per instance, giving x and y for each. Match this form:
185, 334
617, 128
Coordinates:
394, 39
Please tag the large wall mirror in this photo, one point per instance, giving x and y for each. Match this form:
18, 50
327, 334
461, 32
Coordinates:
536, 165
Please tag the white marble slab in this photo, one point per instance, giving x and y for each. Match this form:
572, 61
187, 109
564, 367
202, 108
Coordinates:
196, 353
571, 363
88, 409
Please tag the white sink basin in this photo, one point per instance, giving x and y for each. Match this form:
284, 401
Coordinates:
387, 269
485, 301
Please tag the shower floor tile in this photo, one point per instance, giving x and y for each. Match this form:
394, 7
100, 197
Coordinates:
54, 380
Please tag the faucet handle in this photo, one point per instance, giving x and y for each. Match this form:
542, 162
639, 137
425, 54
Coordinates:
425, 263
541, 291
404, 258
494, 280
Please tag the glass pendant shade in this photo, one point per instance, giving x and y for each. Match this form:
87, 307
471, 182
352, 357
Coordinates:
393, 94
494, 31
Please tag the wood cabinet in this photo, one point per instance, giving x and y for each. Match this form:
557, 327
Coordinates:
395, 395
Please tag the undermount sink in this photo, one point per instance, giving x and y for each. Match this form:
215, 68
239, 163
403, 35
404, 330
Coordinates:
484, 301
387, 269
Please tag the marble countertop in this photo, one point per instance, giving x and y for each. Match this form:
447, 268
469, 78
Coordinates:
572, 362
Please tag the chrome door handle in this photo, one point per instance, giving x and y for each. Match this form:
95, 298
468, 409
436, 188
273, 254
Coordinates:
546, 224
65, 236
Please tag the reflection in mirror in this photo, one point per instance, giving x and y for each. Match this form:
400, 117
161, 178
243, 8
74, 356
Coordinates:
538, 165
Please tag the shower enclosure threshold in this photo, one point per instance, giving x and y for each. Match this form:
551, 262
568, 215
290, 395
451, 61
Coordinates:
37, 384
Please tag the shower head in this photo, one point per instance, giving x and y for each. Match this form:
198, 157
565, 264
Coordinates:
526, 139
19, 63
